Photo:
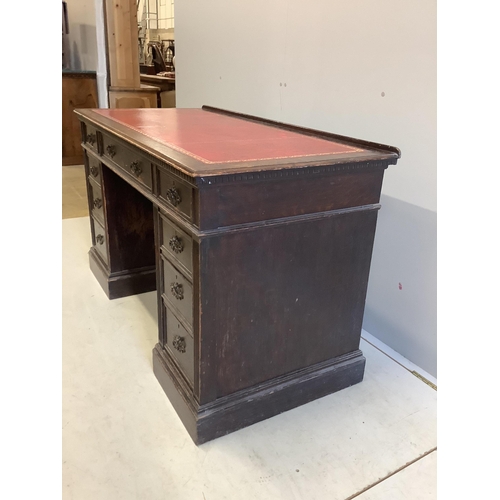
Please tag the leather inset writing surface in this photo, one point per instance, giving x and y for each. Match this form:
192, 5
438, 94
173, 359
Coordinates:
216, 138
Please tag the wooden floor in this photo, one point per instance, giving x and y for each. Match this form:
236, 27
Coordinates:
74, 192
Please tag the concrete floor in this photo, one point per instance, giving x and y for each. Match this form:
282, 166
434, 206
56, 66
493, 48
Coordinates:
74, 192
123, 440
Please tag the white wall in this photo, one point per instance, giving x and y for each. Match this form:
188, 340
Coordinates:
363, 68
102, 55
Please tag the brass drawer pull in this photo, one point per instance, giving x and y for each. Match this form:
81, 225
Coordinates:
177, 290
173, 196
136, 169
100, 239
176, 244
91, 138
97, 203
111, 150
179, 343
94, 170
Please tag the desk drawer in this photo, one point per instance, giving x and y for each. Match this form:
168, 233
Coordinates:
177, 244
100, 243
94, 169
131, 162
90, 138
96, 201
178, 195
179, 343
178, 291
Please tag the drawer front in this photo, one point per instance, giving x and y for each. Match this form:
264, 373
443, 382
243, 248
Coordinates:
175, 193
131, 162
178, 291
94, 169
100, 243
96, 201
177, 244
180, 344
91, 138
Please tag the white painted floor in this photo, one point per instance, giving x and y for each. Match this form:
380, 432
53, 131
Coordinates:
123, 440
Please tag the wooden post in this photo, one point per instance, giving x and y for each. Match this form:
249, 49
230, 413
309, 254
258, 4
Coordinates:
122, 43
125, 90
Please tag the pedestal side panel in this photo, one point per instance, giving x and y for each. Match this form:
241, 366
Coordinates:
280, 298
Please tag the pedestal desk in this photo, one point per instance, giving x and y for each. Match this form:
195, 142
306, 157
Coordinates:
258, 238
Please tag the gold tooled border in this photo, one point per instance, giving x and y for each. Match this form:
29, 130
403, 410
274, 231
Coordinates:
210, 162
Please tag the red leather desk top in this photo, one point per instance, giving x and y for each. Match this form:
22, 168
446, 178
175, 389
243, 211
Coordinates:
217, 138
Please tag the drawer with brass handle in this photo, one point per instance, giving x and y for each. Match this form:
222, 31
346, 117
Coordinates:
177, 194
100, 239
177, 245
136, 165
179, 343
90, 137
177, 290
96, 200
94, 169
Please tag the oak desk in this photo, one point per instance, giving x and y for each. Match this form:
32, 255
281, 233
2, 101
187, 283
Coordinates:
258, 237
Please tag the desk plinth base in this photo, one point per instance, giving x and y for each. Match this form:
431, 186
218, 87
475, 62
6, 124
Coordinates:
123, 284
249, 406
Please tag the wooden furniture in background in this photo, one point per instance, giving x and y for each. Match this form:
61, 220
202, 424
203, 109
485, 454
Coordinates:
258, 238
79, 90
147, 69
125, 89
146, 96
166, 86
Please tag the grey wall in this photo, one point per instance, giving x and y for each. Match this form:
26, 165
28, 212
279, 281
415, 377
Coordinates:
401, 303
362, 68
87, 42
82, 35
